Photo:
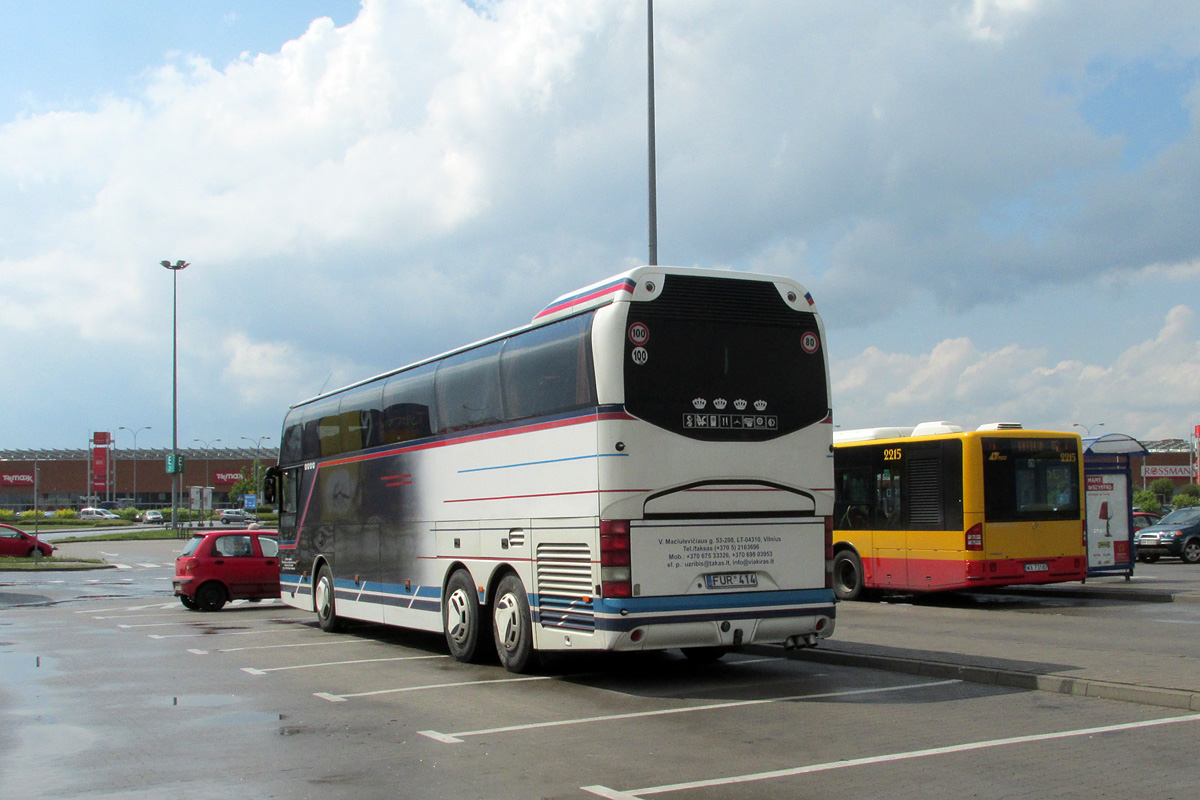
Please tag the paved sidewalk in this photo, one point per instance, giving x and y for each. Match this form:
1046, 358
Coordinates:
1087, 639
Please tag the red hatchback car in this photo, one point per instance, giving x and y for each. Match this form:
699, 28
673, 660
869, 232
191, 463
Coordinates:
16, 542
220, 566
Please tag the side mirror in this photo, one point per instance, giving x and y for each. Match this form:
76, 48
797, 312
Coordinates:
270, 486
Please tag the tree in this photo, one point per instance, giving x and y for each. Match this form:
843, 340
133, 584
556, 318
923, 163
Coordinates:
1147, 501
1187, 496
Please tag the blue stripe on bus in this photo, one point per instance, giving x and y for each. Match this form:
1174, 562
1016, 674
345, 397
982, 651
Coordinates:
547, 461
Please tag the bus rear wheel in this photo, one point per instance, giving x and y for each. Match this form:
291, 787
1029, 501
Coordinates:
847, 575
460, 617
324, 602
512, 626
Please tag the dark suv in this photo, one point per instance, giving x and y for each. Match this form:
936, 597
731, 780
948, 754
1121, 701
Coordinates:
1177, 534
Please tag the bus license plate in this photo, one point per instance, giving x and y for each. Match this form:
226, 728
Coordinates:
732, 580
1037, 567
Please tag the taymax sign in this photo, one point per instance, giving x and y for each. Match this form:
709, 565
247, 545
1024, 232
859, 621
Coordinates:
16, 479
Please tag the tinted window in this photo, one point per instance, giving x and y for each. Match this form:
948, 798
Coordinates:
901, 486
407, 405
548, 370
1030, 479
467, 388
320, 431
722, 359
358, 418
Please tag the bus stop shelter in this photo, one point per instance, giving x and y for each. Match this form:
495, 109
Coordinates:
1109, 500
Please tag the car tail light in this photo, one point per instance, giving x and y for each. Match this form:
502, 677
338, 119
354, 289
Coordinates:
615, 576
189, 565
975, 537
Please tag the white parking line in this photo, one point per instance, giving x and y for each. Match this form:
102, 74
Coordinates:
636, 794
273, 646
211, 634
341, 698
456, 738
265, 670
124, 608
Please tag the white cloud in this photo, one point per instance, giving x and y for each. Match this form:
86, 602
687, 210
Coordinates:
1140, 393
428, 174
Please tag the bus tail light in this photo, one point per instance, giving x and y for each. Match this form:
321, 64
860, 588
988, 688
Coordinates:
975, 537
1083, 526
828, 553
615, 577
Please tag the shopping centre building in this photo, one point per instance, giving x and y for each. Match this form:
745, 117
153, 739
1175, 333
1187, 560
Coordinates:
124, 477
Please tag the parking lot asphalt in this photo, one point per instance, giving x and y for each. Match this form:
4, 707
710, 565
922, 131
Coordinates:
1130, 640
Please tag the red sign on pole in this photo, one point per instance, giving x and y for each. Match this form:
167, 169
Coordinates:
100, 469
100, 438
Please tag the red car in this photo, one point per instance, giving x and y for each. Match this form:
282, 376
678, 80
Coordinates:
16, 542
217, 567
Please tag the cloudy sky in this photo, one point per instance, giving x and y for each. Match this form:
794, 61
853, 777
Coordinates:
995, 203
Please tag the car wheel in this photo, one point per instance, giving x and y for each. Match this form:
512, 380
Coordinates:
512, 626
1191, 551
325, 601
210, 596
460, 617
189, 603
847, 575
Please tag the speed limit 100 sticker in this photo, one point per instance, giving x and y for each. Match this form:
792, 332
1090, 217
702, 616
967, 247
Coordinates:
810, 342
639, 334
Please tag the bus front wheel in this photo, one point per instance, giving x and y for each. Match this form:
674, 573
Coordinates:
847, 576
512, 626
460, 617
324, 602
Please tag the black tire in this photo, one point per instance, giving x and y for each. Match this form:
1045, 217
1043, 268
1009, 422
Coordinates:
31, 553
706, 655
1190, 553
189, 603
325, 601
211, 596
461, 617
512, 626
847, 575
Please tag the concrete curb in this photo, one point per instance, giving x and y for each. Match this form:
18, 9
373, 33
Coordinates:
994, 676
1099, 593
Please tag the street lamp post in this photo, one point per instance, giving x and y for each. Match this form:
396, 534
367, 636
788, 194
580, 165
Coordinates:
257, 449
207, 447
135, 432
175, 268
1087, 428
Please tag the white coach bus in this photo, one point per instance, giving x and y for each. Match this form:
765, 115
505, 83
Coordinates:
647, 465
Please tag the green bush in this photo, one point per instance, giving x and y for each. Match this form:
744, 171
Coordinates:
1147, 501
7, 515
66, 513
1185, 501
1191, 490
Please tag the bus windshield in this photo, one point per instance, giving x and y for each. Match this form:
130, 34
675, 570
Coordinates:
736, 366
1030, 479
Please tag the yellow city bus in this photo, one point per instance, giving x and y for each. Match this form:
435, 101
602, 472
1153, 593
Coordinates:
935, 508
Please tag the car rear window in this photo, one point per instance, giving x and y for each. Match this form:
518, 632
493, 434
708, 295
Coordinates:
191, 546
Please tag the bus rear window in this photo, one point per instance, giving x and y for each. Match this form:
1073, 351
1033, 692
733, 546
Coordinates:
1027, 480
724, 360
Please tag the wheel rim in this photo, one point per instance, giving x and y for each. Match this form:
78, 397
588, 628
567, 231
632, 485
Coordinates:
324, 606
458, 616
847, 576
1192, 551
508, 622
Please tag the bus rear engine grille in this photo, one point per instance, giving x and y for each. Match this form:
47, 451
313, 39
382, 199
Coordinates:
564, 578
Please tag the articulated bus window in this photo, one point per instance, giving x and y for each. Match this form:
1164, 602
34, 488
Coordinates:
548, 370
1030, 479
407, 405
467, 387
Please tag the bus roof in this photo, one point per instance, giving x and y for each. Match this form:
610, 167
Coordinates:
939, 428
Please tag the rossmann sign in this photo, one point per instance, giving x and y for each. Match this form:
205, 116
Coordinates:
24, 479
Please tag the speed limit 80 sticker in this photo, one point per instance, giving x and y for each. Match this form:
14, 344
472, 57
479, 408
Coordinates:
810, 342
